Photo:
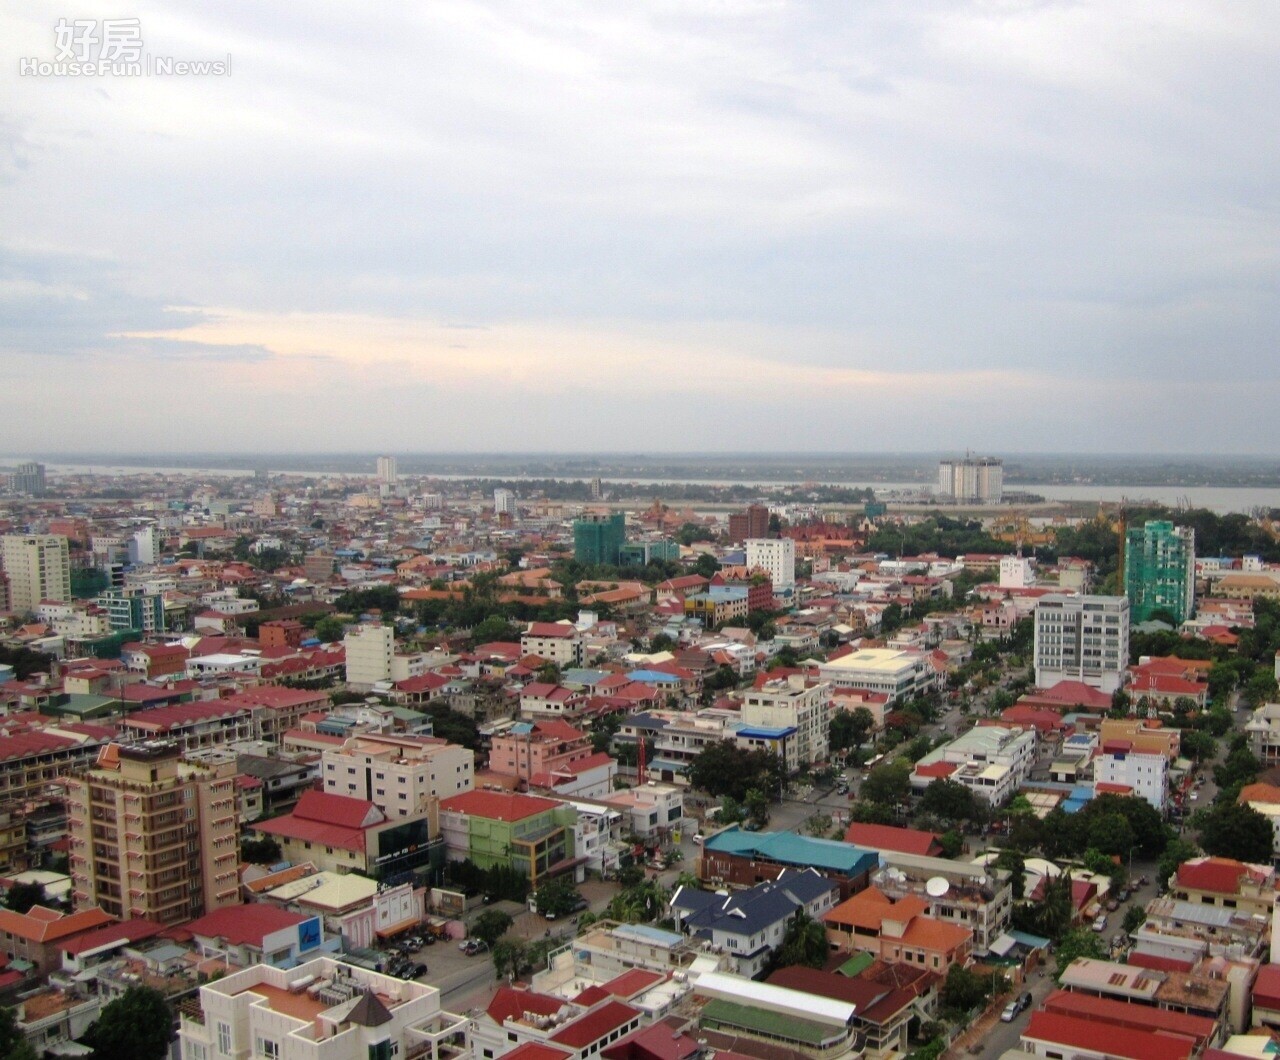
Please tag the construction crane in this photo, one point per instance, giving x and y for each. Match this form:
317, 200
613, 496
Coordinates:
1122, 527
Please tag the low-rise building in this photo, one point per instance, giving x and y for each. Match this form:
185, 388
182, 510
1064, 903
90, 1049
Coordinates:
323, 1009
401, 775
739, 858
990, 760
532, 835
900, 675
897, 931
556, 642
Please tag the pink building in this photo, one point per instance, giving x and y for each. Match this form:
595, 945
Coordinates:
532, 748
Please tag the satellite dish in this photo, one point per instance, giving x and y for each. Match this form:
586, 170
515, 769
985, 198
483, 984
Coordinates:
937, 886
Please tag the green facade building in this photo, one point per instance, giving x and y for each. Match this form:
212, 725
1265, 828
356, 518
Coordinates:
599, 538
1160, 570
639, 553
532, 835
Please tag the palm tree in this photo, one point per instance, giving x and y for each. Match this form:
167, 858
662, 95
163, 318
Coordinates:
805, 942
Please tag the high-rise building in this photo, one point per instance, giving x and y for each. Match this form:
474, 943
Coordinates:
387, 470
1082, 638
144, 547
152, 836
598, 538
133, 610
1160, 570
39, 568
504, 502
972, 480
753, 522
777, 556
597, 489
318, 567
369, 650
28, 478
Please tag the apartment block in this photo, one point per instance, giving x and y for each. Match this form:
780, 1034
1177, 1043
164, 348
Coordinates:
151, 836
777, 558
38, 567
322, 1009
1136, 754
790, 707
557, 642
752, 522
1160, 570
369, 650
400, 775
1082, 638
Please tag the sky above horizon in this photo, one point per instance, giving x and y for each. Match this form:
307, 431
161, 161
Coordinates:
1006, 225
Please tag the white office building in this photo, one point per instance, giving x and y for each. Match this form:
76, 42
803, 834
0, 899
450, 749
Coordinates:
1082, 638
789, 704
504, 502
387, 475
777, 556
898, 674
320, 1010
972, 480
369, 653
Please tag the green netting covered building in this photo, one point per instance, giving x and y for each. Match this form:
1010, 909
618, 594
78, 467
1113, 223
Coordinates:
1160, 570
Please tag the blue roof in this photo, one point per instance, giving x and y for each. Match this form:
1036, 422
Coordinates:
762, 733
648, 934
790, 848
669, 763
656, 677
521, 728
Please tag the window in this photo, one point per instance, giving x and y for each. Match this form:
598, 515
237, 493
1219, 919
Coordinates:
267, 1048
225, 1041
197, 1051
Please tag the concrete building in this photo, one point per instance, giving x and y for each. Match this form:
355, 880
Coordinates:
532, 835
791, 704
1263, 730
504, 502
322, 1009
1082, 638
892, 672
401, 775
151, 836
557, 642
528, 749
717, 605
38, 567
387, 473
598, 538
369, 651
133, 610
990, 760
978, 897
1135, 754
753, 522
28, 478
1160, 570
971, 481
775, 556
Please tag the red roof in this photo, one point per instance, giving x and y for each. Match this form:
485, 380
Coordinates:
550, 629
26, 744
936, 769
127, 931
241, 925
331, 820
509, 1003
39, 924
1107, 1039
336, 809
633, 982
536, 1051
162, 719
497, 806
1266, 988
1124, 1014
595, 1025
1218, 875
890, 837
558, 728
1159, 964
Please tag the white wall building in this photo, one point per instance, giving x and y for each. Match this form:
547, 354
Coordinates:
990, 760
398, 774
1017, 572
778, 557
789, 702
1146, 774
898, 674
504, 502
387, 474
369, 650
1082, 638
38, 567
321, 1010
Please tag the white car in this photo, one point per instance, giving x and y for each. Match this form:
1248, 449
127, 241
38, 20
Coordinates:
1010, 1012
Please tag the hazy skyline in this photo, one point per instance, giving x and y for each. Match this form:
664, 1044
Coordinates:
759, 225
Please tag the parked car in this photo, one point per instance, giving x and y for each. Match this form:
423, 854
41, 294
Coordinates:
412, 970
1010, 1012
428, 940
1112, 904
1100, 922
1124, 894
1024, 1002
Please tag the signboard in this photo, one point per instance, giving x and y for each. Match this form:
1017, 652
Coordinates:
309, 934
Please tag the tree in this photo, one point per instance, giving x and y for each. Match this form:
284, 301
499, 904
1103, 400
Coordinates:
1232, 830
1198, 745
329, 629
264, 851
22, 896
509, 957
490, 926
1110, 833
661, 642
135, 1026
818, 825
952, 843
887, 784
863, 812
757, 806
1080, 942
805, 942
1017, 866
949, 800
494, 628
1134, 917
706, 565
13, 1045
556, 897
1240, 767
850, 728
724, 768
964, 990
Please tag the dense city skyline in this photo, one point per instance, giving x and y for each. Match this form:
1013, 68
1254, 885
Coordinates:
492, 227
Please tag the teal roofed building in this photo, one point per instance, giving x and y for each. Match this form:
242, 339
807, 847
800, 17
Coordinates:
742, 859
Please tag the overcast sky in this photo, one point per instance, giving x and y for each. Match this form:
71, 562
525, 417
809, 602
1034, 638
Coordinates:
680, 225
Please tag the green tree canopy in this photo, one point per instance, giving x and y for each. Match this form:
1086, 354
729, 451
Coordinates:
264, 851
887, 784
22, 896
13, 1044
950, 800
135, 1026
724, 768
1080, 942
850, 728
1232, 830
490, 926
805, 942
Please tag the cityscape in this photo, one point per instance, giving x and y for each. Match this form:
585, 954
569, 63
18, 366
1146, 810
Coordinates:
717, 530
